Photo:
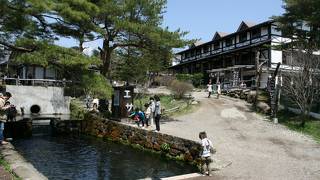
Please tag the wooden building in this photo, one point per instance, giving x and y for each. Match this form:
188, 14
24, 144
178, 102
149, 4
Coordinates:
230, 58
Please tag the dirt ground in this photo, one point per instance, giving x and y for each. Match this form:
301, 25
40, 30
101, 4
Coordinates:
249, 146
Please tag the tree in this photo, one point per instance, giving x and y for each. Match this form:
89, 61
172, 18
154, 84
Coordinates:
302, 83
301, 22
23, 19
132, 23
76, 20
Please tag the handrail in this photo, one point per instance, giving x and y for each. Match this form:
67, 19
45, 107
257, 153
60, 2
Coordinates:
33, 82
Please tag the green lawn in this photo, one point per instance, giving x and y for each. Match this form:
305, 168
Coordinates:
167, 102
292, 121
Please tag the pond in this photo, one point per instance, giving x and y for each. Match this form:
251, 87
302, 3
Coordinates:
89, 158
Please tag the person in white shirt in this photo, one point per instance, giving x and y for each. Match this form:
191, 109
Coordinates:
218, 89
153, 108
209, 86
205, 153
147, 114
157, 112
95, 104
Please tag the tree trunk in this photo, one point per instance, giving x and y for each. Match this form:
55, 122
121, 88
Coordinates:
105, 56
81, 46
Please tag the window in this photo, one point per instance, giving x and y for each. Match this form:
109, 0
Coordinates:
192, 53
256, 33
198, 51
229, 42
216, 45
243, 37
206, 48
187, 54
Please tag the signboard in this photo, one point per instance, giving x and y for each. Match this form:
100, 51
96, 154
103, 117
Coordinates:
116, 98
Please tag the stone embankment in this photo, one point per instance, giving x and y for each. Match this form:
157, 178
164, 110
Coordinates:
171, 146
19, 165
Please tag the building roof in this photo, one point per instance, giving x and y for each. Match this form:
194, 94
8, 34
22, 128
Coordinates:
197, 43
245, 25
219, 35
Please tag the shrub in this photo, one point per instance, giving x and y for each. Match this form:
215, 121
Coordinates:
165, 147
76, 110
180, 88
195, 79
96, 85
163, 80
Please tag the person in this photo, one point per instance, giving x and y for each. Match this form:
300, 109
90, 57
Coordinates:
138, 116
218, 89
242, 85
11, 111
209, 85
205, 154
95, 104
157, 112
152, 105
87, 101
147, 113
3, 107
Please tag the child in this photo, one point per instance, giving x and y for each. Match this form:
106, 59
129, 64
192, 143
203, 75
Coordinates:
138, 117
205, 153
209, 86
147, 113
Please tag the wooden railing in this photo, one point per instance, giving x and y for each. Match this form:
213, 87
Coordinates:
228, 48
34, 82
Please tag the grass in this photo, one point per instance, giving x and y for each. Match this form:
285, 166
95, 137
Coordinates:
292, 121
167, 102
7, 168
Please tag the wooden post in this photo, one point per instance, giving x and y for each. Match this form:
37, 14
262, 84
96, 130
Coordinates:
257, 78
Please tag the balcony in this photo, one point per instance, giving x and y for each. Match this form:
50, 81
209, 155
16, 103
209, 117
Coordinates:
246, 43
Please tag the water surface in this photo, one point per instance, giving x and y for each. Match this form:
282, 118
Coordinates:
88, 158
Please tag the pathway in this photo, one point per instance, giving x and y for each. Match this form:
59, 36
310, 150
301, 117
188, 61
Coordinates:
257, 148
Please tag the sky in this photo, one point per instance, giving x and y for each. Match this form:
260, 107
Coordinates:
202, 18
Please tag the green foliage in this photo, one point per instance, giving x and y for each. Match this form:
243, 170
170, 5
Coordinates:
298, 14
180, 88
76, 109
96, 85
195, 79
46, 54
165, 147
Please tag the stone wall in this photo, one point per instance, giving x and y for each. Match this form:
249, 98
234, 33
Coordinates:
171, 146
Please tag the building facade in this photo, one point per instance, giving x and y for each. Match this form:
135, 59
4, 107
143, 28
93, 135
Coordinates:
231, 58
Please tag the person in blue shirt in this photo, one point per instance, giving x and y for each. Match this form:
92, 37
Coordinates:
138, 116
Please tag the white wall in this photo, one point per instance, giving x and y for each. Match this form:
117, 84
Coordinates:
276, 56
264, 80
50, 99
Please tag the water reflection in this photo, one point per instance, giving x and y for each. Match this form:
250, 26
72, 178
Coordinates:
90, 158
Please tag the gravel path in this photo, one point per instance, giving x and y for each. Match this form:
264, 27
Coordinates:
248, 145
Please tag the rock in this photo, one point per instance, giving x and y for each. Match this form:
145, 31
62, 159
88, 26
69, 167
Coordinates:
251, 96
263, 107
236, 96
194, 102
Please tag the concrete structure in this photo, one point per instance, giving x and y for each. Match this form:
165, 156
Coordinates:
19, 165
230, 58
48, 100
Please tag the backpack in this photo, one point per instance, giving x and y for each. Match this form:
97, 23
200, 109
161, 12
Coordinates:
11, 113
